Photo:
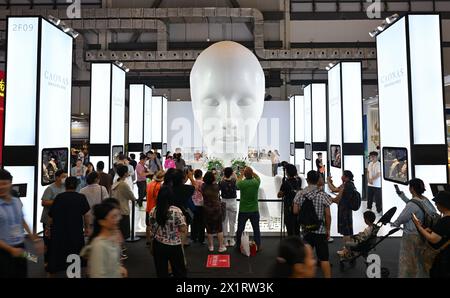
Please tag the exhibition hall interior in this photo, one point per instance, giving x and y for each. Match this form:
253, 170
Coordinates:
224, 139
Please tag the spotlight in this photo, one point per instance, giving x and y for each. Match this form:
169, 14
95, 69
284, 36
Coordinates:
327, 68
392, 18
381, 27
127, 69
373, 33
54, 20
74, 33
118, 63
330, 65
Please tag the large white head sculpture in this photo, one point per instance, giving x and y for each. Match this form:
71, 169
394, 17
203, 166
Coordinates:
227, 92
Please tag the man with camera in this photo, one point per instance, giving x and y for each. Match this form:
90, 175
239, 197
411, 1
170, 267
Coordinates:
288, 190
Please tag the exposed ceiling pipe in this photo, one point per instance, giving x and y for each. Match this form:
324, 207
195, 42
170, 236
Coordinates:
135, 18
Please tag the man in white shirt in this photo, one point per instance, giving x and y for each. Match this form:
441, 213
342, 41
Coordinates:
374, 182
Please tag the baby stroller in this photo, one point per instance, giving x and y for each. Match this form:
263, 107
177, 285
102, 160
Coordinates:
364, 248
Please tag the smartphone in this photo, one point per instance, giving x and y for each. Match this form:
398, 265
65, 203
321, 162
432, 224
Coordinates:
397, 189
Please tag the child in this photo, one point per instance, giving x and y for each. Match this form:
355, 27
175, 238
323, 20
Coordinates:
369, 219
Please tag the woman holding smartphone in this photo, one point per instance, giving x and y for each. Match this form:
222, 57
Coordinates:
439, 236
415, 258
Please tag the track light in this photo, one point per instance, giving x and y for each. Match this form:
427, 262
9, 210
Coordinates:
127, 69
373, 33
74, 33
54, 20
381, 27
118, 63
64, 27
327, 68
392, 18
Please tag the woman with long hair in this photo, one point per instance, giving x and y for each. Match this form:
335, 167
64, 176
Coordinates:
167, 224
212, 211
103, 251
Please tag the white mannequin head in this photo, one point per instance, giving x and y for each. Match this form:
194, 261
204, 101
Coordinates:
227, 92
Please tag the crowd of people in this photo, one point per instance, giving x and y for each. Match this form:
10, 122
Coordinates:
425, 244
88, 214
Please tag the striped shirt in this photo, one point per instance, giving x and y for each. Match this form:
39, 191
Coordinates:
11, 226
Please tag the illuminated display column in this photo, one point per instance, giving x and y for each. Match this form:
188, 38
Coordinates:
315, 124
147, 118
107, 115
299, 133
100, 114
412, 122
291, 130
164, 127
136, 119
346, 149
37, 116
159, 123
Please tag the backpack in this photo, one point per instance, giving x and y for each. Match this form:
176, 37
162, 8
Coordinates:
291, 192
429, 219
228, 189
355, 199
307, 217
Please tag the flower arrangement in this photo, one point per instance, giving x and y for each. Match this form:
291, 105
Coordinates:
238, 164
217, 165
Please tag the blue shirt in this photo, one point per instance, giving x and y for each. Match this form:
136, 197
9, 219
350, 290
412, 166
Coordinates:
11, 222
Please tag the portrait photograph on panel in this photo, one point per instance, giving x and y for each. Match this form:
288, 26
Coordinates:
116, 150
53, 159
395, 164
308, 152
335, 152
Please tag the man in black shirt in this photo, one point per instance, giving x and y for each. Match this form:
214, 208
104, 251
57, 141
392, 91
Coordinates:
133, 161
288, 190
68, 215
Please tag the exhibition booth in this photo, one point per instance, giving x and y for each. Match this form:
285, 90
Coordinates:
227, 122
38, 108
